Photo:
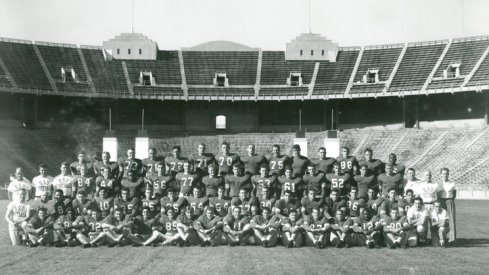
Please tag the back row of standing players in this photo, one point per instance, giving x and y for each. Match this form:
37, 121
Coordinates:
204, 170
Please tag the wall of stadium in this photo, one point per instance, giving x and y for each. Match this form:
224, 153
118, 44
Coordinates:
261, 116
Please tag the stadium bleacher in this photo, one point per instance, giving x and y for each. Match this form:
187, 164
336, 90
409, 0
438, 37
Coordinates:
240, 67
221, 91
107, 76
296, 91
384, 59
416, 65
24, 66
165, 69
4, 80
333, 77
275, 69
56, 57
466, 52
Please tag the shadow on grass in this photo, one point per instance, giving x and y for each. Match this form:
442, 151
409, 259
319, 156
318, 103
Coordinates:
479, 242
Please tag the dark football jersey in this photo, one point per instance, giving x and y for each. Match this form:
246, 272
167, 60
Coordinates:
252, 163
212, 185
235, 183
134, 165
277, 164
342, 182
299, 166
187, 182
347, 165
226, 163
325, 165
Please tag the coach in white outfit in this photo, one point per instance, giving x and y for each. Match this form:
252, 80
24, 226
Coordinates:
447, 192
427, 190
18, 183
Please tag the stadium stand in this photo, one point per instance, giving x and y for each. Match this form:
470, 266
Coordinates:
107, 76
23, 64
333, 77
481, 74
221, 91
284, 91
149, 91
240, 67
417, 64
275, 69
383, 58
4, 80
57, 57
465, 52
165, 69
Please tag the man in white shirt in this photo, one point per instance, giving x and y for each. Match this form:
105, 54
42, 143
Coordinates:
64, 181
18, 183
439, 225
42, 183
418, 219
427, 190
17, 216
411, 181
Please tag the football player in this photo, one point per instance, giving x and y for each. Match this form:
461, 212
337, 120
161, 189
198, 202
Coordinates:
81, 161
406, 202
390, 203
411, 181
395, 229
389, 180
173, 201
168, 225
236, 228
145, 225
209, 227
292, 230
59, 204
104, 203
65, 183
201, 160
42, 183
129, 205
236, 181
119, 226
186, 180
310, 202
289, 183
244, 202
106, 181
266, 228
226, 160
197, 202
220, 203
252, 161
340, 233
417, 217
439, 225
299, 163
324, 164
150, 202
316, 228
212, 181
83, 182
42, 202
337, 180
174, 164
149, 163
185, 227
374, 166
365, 232
106, 163
81, 204
315, 180
17, 216
354, 203
40, 229
427, 190
364, 181
68, 227
133, 183
266, 200
95, 233
129, 163
286, 205
160, 182
278, 161
396, 168
348, 164
264, 180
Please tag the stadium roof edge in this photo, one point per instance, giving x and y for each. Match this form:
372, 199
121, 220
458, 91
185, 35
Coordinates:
63, 45
350, 48
472, 38
384, 46
14, 40
91, 47
428, 43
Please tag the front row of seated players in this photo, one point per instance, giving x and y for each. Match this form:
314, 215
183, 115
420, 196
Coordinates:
211, 221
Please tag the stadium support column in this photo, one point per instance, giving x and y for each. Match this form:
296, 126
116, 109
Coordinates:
404, 112
337, 116
36, 111
416, 112
22, 110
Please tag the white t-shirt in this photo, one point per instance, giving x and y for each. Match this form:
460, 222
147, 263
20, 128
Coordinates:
438, 217
415, 214
42, 184
446, 189
427, 191
410, 184
64, 183
15, 186
20, 210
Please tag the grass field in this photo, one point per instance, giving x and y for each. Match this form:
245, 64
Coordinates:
470, 256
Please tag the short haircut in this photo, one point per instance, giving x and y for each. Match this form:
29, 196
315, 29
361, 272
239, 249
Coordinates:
57, 191
411, 169
391, 189
321, 148
176, 147
125, 189
368, 150
296, 147
335, 190
43, 165
409, 191
419, 199
265, 208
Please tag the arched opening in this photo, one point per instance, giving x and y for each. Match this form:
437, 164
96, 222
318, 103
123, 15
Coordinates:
220, 122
